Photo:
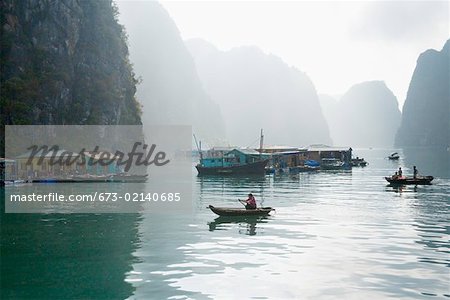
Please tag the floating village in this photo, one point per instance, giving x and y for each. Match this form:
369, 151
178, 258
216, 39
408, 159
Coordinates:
226, 161
52, 167
274, 159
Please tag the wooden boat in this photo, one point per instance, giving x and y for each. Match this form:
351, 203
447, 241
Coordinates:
258, 167
230, 211
235, 162
409, 180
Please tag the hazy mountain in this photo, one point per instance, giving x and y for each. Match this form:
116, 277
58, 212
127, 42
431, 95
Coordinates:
65, 62
170, 91
330, 109
426, 112
366, 116
256, 90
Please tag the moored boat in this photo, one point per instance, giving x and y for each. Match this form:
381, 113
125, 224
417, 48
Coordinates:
331, 164
236, 161
409, 180
231, 212
358, 162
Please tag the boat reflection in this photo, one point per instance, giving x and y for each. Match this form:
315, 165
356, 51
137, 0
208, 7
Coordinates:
247, 225
401, 188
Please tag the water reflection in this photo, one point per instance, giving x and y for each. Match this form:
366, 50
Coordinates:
77, 256
401, 188
245, 225
341, 235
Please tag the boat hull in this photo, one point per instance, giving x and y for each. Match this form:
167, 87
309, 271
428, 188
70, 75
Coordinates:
410, 180
234, 212
258, 167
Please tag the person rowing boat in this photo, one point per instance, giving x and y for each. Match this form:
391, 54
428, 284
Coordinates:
250, 203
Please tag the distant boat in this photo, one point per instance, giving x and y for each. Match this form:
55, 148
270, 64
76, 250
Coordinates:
394, 156
308, 166
358, 162
409, 180
233, 212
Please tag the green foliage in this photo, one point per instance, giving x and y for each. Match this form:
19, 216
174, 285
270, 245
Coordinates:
42, 82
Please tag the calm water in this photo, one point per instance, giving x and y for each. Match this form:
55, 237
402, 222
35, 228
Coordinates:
334, 235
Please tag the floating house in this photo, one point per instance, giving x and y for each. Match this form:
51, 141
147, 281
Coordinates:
335, 157
63, 163
236, 161
95, 168
43, 165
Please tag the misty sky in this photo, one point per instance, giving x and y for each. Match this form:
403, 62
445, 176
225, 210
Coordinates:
337, 44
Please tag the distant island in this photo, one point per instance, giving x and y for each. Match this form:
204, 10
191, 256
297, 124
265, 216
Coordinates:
257, 90
367, 115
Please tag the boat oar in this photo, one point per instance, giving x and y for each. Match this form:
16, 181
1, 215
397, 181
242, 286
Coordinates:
242, 202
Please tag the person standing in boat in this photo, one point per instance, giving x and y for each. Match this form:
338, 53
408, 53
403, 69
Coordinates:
250, 203
400, 172
415, 172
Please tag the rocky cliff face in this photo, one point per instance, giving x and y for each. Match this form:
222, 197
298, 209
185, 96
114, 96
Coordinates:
426, 112
170, 91
256, 90
65, 62
366, 116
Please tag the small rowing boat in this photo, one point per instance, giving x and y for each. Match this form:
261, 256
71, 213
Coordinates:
229, 211
409, 180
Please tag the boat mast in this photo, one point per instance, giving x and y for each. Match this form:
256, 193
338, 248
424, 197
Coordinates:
261, 142
199, 148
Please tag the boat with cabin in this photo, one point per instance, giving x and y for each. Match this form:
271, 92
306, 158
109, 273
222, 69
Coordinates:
236, 161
